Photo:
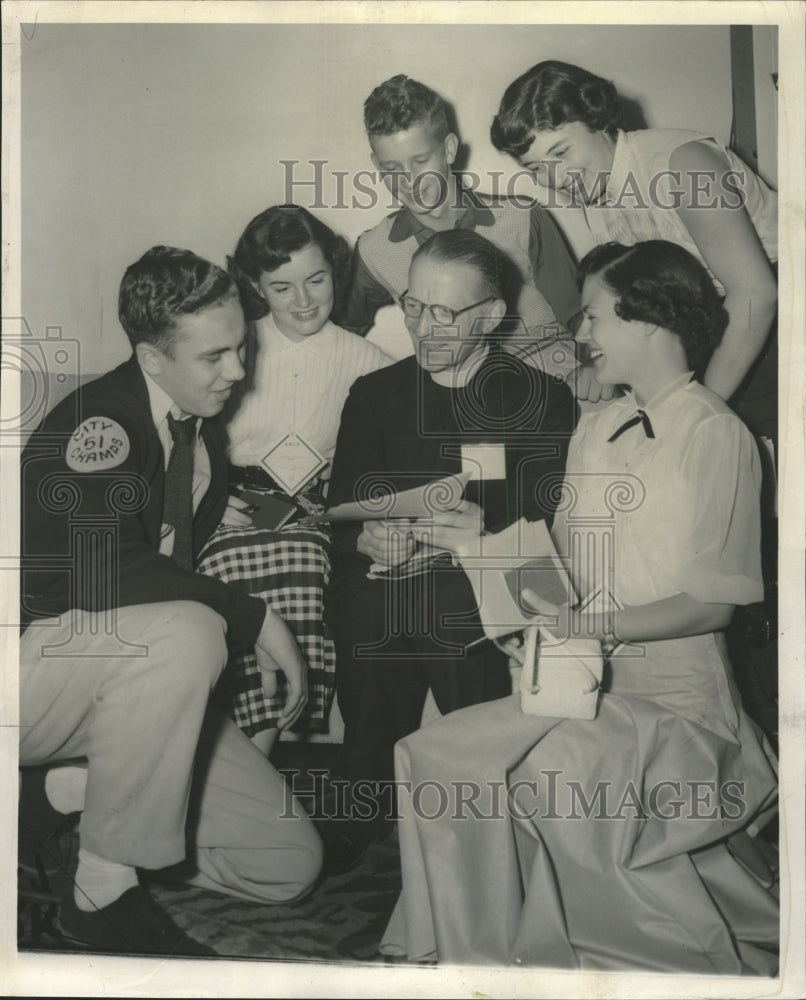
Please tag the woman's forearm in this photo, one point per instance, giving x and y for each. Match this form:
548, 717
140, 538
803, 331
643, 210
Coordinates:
670, 618
729, 244
751, 315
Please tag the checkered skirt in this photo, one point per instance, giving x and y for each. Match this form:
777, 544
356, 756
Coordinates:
289, 569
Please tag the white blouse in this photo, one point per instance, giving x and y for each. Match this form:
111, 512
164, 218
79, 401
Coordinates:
652, 517
298, 388
642, 193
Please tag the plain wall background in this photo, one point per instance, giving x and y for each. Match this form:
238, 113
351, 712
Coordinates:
134, 135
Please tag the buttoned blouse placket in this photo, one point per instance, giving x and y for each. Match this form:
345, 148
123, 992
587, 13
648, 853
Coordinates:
295, 353
293, 390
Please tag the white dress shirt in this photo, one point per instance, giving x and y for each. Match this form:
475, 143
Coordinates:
161, 405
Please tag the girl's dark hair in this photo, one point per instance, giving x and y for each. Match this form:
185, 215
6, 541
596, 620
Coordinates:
498, 276
660, 282
268, 242
547, 96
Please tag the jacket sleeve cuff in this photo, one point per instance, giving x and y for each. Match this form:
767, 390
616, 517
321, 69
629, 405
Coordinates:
244, 616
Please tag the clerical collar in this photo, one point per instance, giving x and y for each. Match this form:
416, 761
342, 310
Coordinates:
458, 378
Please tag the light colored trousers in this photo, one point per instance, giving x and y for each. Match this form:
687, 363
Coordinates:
169, 777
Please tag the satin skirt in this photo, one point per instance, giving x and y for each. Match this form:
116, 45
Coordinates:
614, 843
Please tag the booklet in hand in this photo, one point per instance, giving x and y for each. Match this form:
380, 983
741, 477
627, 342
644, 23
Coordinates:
420, 502
266, 510
520, 557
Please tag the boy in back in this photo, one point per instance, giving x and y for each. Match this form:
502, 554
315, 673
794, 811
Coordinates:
413, 149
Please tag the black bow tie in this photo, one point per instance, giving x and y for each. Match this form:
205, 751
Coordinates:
639, 418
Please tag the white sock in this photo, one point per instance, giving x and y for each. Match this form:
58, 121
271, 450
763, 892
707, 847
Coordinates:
65, 788
100, 882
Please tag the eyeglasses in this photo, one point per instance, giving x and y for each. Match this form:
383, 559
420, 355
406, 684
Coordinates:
443, 315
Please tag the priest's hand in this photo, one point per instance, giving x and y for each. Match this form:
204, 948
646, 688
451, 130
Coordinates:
387, 542
457, 529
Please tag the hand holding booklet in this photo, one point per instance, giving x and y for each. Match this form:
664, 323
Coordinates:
560, 677
267, 510
418, 504
520, 557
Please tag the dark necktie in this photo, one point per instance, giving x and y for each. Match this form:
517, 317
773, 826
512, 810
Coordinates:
178, 509
639, 418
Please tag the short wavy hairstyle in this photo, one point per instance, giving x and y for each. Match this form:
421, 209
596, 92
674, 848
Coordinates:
549, 95
165, 284
660, 282
268, 242
400, 102
497, 275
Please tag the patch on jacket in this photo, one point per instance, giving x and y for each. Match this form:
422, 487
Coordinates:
97, 443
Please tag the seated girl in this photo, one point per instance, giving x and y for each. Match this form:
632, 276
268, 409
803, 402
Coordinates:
282, 427
612, 843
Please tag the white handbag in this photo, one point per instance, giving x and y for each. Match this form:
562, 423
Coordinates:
560, 677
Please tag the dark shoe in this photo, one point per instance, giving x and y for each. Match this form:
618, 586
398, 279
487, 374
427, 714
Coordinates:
346, 842
133, 924
40, 827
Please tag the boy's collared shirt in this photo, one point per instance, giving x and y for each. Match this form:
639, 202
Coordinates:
161, 405
534, 243
406, 224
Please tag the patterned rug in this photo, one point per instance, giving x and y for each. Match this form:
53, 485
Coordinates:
343, 919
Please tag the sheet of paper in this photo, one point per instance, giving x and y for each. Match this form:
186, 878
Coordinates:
422, 501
